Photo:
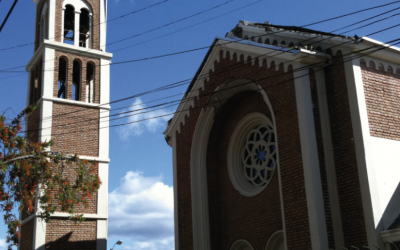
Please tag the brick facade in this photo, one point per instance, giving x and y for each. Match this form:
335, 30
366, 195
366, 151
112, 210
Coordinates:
26, 241
382, 96
84, 62
75, 129
65, 234
281, 92
232, 215
70, 174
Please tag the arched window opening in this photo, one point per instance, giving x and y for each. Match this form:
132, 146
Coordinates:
291, 45
276, 241
62, 78
69, 24
267, 41
85, 29
275, 42
76, 81
89, 83
283, 43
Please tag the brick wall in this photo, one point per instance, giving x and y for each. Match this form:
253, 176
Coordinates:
232, 215
281, 92
75, 129
35, 82
83, 61
347, 176
34, 126
382, 96
65, 234
26, 241
70, 174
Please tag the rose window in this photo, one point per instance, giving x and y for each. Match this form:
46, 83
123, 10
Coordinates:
252, 154
258, 157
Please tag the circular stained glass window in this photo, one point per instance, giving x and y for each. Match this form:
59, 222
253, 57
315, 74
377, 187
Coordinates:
259, 157
252, 154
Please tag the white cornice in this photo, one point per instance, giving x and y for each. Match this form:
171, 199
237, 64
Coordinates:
91, 158
295, 35
87, 216
67, 48
77, 103
389, 54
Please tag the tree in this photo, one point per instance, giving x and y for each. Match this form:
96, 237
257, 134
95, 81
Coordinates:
29, 173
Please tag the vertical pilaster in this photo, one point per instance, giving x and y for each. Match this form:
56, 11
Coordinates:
309, 151
51, 20
359, 119
76, 28
62, 26
90, 42
329, 160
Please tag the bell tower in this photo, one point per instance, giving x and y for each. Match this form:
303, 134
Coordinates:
69, 78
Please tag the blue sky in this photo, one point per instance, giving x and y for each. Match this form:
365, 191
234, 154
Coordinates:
140, 180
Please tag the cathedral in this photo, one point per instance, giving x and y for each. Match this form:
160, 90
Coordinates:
289, 138
69, 79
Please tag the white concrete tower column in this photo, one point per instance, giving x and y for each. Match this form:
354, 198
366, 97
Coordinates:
62, 26
76, 28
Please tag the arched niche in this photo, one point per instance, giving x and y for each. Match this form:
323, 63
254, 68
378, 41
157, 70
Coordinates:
276, 241
241, 245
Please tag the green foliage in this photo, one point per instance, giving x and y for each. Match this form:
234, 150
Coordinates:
29, 172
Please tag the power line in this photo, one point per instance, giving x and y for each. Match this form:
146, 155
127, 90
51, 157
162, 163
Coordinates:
148, 31
356, 12
183, 82
122, 16
212, 93
187, 51
178, 111
8, 15
265, 54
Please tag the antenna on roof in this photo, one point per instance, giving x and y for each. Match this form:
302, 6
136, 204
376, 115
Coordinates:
267, 22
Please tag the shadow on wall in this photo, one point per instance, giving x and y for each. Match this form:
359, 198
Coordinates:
65, 243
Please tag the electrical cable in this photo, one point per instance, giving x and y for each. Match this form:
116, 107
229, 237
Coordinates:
258, 57
80, 53
128, 14
207, 104
198, 97
356, 12
8, 15
192, 50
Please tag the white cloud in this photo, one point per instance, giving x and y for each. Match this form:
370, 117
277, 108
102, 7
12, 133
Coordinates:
137, 128
3, 244
141, 211
166, 244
